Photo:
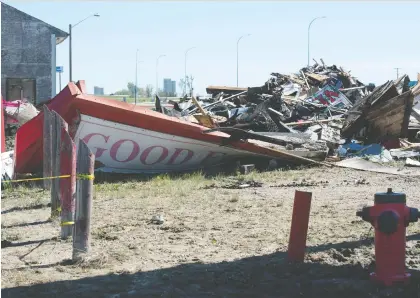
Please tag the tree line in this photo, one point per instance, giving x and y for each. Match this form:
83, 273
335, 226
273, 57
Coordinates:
185, 85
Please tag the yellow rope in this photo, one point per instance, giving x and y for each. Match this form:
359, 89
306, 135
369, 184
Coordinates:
78, 176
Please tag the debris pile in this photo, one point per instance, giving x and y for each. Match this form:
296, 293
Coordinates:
18, 112
318, 115
320, 110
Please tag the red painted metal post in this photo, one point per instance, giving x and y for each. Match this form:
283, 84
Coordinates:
3, 138
299, 227
57, 125
67, 185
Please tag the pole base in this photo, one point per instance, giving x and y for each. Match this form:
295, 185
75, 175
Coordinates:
391, 280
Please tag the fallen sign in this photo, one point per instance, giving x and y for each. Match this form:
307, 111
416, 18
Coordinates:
132, 139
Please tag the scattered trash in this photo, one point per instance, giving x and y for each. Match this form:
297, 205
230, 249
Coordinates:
235, 183
19, 111
302, 183
246, 169
359, 163
361, 181
412, 162
353, 149
157, 219
7, 166
243, 184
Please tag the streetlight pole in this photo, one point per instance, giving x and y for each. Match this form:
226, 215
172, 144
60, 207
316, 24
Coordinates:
309, 27
185, 70
237, 58
398, 73
70, 43
157, 63
135, 87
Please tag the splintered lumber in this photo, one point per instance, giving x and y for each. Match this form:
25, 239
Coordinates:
198, 106
312, 121
391, 118
206, 119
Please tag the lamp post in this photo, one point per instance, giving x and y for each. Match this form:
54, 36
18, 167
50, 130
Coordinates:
398, 73
237, 58
70, 43
157, 63
135, 87
185, 70
309, 28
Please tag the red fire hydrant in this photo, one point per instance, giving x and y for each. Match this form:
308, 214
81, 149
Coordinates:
390, 216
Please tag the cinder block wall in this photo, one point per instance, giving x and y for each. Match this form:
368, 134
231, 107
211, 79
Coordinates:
25, 51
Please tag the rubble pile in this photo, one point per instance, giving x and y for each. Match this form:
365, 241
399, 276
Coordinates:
321, 108
318, 115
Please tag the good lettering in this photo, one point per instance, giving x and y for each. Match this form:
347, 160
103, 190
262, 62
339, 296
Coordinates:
127, 150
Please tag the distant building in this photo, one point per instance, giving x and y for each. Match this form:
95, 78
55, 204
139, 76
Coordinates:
169, 87
173, 88
28, 59
98, 90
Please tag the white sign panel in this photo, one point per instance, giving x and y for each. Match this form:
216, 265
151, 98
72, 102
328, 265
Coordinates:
123, 148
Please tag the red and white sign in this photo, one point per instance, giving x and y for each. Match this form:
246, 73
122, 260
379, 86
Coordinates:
123, 148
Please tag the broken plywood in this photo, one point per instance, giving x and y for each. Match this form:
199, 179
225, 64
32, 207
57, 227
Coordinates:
390, 119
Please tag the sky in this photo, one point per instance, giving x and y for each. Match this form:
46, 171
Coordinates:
369, 38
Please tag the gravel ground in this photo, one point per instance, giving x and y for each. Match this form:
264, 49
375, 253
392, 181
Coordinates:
214, 241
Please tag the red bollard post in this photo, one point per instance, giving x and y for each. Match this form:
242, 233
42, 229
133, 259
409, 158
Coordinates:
299, 227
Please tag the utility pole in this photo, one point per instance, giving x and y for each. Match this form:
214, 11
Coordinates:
59, 80
398, 74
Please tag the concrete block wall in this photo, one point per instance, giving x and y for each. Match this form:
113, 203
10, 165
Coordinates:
26, 51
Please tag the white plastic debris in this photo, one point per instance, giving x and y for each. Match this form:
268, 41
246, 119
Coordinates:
7, 165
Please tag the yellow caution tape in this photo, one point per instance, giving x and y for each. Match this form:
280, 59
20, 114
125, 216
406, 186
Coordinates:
37, 179
78, 176
85, 176
67, 223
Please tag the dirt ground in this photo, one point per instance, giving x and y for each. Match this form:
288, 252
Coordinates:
214, 242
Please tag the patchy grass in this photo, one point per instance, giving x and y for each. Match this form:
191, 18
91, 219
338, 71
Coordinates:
212, 240
24, 197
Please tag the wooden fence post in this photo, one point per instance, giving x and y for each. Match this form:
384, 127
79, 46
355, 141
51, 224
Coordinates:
67, 185
57, 124
84, 188
3, 129
47, 151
